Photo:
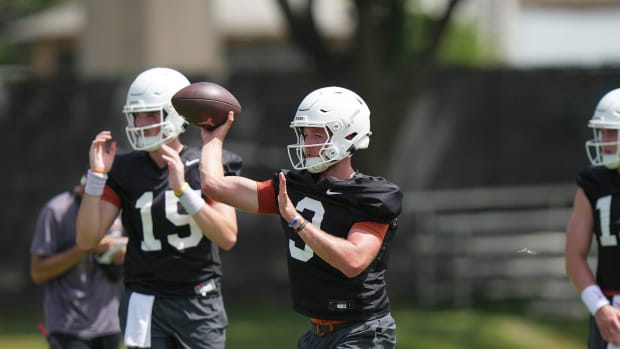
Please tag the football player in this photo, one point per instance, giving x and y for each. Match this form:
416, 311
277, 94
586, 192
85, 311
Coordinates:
172, 267
596, 212
339, 222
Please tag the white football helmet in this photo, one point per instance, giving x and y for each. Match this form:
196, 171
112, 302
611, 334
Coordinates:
346, 118
606, 116
152, 90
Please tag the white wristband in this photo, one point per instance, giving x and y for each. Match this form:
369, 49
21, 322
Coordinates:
593, 298
191, 201
95, 182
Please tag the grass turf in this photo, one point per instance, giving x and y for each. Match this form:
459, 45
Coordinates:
267, 326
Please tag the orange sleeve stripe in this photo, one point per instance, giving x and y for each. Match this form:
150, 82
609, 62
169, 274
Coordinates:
267, 203
111, 196
377, 229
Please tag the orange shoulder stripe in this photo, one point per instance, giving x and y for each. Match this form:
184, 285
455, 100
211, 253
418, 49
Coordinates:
377, 229
111, 196
267, 203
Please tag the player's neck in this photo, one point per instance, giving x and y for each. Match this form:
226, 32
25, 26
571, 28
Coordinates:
157, 157
340, 170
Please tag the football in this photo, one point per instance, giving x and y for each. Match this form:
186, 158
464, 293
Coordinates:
205, 104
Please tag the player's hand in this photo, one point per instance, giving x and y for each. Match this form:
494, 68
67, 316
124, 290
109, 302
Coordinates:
176, 169
287, 210
608, 322
111, 249
219, 132
101, 158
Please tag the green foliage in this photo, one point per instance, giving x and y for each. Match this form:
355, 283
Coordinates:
19, 8
271, 326
460, 45
8, 53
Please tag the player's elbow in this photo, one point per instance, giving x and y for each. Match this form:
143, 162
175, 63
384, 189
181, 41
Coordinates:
210, 187
36, 275
227, 245
353, 269
229, 242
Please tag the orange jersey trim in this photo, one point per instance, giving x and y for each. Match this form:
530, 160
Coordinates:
611, 293
377, 229
111, 196
267, 203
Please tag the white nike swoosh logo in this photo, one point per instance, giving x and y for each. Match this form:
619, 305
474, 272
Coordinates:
191, 162
330, 192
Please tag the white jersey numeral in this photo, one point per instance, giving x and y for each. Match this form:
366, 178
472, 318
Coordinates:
149, 242
316, 207
603, 205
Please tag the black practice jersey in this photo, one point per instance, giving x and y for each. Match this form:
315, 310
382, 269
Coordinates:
167, 253
319, 290
602, 187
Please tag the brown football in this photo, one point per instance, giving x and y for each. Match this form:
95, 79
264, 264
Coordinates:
205, 104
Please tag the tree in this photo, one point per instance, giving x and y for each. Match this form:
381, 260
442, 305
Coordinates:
378, 62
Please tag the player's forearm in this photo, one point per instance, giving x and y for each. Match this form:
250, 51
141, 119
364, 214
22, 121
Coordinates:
211, 169
45, 268
220, 228
337, 252
579, 271
87, 224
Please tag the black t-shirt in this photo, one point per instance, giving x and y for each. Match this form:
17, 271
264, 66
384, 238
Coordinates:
167, 253
602, 188
319, 290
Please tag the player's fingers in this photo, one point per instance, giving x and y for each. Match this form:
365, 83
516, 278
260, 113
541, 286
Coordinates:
282, 183
283, 194
112, 148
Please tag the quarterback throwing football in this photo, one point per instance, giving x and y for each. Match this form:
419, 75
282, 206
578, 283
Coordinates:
339, 222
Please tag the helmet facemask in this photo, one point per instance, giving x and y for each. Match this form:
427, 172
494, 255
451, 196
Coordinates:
604, 152
168, 130
327, 155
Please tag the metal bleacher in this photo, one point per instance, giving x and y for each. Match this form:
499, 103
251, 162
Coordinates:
499, 243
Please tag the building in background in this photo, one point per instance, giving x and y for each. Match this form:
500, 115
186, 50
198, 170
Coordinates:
106, 38
546, 33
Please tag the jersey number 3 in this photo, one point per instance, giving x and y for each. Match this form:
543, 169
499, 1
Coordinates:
316, 207
149, 242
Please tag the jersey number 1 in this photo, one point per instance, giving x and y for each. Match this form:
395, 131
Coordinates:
149, 242
603, 205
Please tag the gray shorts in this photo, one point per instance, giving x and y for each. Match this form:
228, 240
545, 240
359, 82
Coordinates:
371, 334
185, 322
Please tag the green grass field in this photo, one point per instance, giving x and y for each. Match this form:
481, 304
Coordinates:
274, 327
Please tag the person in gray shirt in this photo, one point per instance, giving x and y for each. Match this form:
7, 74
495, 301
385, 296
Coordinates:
81, 289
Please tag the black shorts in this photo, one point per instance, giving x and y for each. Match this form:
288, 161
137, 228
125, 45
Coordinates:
195, 322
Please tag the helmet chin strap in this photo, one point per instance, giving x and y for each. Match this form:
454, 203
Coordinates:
317, 164
151, 140
612, 162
